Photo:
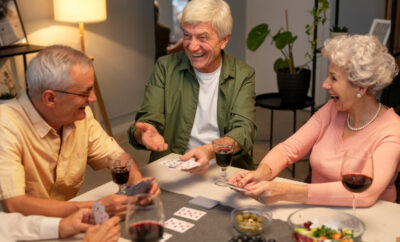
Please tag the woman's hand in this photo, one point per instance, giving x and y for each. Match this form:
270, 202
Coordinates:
243, 178
269, 192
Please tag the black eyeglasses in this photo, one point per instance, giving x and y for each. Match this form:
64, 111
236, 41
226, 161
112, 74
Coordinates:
85, 95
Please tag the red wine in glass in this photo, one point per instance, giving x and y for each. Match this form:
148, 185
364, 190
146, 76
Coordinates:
356, 182
148, 231
224, 158
120, 175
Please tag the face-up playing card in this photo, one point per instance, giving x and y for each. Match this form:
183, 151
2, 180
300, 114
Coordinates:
177, 225
141, 187
190, 213
180, 164
99, 213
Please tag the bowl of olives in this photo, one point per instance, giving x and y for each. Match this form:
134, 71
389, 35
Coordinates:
251, 220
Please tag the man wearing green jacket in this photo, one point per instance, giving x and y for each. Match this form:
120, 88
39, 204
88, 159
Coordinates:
200, 95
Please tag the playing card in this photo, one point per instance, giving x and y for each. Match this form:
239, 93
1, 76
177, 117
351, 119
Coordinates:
165, 237
180, 164
203, 202
99, 213
141, 187
177, 225
190, 213
187, 165
237, 188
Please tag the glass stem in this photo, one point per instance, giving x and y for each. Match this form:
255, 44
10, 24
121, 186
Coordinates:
122, 189
354, 204
223, 173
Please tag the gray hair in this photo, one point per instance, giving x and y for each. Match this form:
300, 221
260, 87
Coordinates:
50, 69
216, 12
365, 60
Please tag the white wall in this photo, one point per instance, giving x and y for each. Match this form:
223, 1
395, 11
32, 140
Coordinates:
123, 48
273, 13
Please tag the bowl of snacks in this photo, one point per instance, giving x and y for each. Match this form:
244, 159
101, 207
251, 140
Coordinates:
251, 220
324, 224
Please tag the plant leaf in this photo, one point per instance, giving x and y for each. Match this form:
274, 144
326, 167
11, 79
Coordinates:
283, 38
257, 36
281, 64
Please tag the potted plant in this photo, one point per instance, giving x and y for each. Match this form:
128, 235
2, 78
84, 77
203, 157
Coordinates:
293, 81
337, 30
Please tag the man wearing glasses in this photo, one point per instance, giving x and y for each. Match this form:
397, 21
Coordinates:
48, 136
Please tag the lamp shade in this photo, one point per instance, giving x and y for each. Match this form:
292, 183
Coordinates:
80, 11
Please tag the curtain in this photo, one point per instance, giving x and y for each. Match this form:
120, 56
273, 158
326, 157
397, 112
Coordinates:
388, 15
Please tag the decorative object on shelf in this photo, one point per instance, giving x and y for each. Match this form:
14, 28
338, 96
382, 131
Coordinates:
337, 30
87, 11
381, 29
8, 88
284, 41
12, 30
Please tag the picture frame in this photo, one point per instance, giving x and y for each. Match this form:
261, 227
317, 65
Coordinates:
12, 30
381, 29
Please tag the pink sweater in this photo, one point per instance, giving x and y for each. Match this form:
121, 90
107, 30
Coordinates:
322, 135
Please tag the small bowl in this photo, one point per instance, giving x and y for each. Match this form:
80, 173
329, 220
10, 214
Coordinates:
325, 216
251, 220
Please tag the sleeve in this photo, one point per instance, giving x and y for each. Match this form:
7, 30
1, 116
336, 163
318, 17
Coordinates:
152, 109
242, 121
15, 226
385, 158
12, 173
299, 144
101, 147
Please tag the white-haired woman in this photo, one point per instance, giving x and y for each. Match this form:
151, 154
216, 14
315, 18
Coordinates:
360, 67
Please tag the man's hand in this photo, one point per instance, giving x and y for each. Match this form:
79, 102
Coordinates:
115, 204
75, 223
109, 231
150, 137
154, 187
202, 155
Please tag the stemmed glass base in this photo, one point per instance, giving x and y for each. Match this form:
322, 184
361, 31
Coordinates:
222, 180
122, 189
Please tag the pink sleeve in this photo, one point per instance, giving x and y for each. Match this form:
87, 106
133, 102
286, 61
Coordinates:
386, 157
299, 144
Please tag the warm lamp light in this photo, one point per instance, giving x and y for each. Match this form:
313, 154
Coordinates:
85, 11
80, 11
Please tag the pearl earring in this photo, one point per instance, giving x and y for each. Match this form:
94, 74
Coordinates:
359, 95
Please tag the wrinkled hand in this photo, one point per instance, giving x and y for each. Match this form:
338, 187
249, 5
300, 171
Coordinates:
151, 139
75, 223
115, 205
202, 155
243, 178
269, 192
109, 231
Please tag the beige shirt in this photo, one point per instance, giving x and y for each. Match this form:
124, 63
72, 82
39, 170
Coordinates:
33, 159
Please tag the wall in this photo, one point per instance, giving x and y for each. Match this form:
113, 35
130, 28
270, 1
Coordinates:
123, 48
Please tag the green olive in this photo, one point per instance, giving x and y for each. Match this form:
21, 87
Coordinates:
239, 218
246, 215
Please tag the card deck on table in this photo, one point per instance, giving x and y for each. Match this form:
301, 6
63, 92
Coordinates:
99, 213
190, 213
180, 164
177, 225
165, 237
204, 202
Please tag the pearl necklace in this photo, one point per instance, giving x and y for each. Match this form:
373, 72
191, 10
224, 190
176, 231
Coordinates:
365, 125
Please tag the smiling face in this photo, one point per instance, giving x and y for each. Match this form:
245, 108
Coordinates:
70, 107
340, 89
203, 46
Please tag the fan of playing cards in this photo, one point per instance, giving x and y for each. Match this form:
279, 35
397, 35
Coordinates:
145, 218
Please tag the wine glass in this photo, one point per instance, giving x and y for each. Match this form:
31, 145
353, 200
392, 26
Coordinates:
145, 218
357, 173
120, 172
223, 155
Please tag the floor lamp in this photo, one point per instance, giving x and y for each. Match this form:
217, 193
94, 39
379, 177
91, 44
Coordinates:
85, 11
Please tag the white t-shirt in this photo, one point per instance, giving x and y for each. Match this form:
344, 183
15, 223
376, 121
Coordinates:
205, 126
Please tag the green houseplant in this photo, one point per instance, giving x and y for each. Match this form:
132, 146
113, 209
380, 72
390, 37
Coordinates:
287, 72
338, 30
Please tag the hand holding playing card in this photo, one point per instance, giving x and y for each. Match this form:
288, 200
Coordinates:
99, 213
202, 155
115, 204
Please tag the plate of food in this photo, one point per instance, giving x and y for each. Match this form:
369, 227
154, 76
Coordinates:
324, 224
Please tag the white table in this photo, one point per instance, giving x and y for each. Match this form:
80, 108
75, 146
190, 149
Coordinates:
382, 220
